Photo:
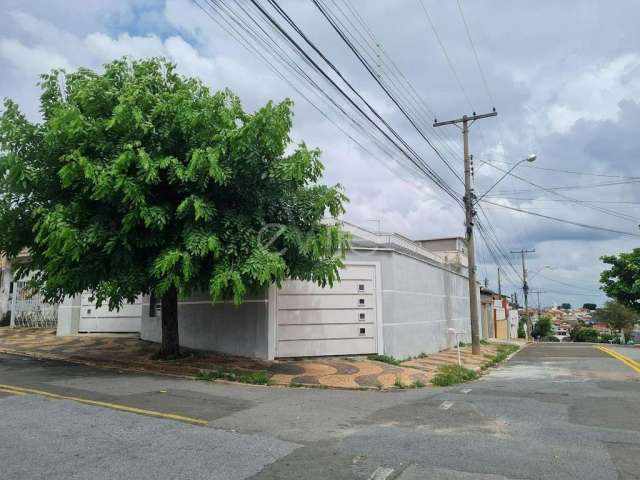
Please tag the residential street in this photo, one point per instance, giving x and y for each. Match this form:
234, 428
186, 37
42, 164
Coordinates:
554, 411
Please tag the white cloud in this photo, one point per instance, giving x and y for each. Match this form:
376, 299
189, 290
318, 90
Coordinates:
30, 60
107, 48
593, 94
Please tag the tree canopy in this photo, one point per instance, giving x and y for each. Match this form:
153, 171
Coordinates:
543, 327
590, 306
139, 180
622, 280
619, 317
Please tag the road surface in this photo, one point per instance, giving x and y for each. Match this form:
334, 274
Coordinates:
553, 412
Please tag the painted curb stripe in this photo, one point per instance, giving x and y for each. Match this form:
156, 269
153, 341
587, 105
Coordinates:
12, 392
622, 358
97, 403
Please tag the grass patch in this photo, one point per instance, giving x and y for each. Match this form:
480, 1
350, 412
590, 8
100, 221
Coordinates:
452, 374
254, 378
501, 355
417, 384
385, 359
293, 384
398, 384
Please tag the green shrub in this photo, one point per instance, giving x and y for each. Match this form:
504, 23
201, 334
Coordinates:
606, 337
452, 374
584, 334
550, 338
521, 331
385, 359
255, 378
501, 355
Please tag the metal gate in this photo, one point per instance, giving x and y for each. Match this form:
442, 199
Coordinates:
29, 310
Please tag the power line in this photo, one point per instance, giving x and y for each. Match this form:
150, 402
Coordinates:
566, 197
408, 151
475, 54
567, 284
401, 145
607, 202
566, 187
573, 172
569, 222
446, 55
386, 63
394, 99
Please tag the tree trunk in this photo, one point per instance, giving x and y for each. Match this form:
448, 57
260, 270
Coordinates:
170, 337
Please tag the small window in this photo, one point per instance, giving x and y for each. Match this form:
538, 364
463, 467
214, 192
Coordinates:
88, 311
361, 317
362, 331
361, 302
361, 287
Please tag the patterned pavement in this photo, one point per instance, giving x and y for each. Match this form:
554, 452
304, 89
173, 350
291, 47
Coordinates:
133, 354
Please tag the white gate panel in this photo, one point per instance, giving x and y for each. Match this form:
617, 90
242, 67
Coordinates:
318, 348
322, 301
338, 320
102, 320
324, 317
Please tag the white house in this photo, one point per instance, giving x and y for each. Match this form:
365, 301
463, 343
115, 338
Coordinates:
395, 297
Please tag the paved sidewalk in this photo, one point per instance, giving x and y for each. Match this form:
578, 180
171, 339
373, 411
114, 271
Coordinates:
131, 353
431, 363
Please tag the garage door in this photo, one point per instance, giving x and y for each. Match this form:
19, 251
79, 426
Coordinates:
93, 319
314, 321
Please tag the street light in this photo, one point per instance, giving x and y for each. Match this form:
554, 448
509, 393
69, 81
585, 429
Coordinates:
530, 158
539, 270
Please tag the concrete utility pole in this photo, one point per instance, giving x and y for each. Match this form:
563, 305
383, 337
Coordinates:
469, 201
525, 289
499, 284
538, 292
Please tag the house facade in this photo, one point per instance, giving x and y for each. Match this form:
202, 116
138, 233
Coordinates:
395, 297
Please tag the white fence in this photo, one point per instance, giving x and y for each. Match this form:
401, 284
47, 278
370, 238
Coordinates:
29, 310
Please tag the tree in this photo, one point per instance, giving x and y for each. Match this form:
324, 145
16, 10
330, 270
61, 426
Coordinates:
543, 327
141, 181
565, 306
580, 333
622, 281
619, 318
589, 306
522, 323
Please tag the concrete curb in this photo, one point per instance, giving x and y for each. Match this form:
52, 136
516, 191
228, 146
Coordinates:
141, 369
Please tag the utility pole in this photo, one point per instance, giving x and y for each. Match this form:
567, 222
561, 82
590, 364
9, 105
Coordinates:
525, 289
469, 201
499, 284
538, 292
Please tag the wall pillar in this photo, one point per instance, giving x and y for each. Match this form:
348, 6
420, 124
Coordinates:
69, 316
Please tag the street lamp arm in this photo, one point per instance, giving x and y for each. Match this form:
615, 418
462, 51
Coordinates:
501, 178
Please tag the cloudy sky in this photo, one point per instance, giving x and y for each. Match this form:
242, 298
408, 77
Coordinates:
564, 77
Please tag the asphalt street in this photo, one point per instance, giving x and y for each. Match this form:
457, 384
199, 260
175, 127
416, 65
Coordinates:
553, 412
